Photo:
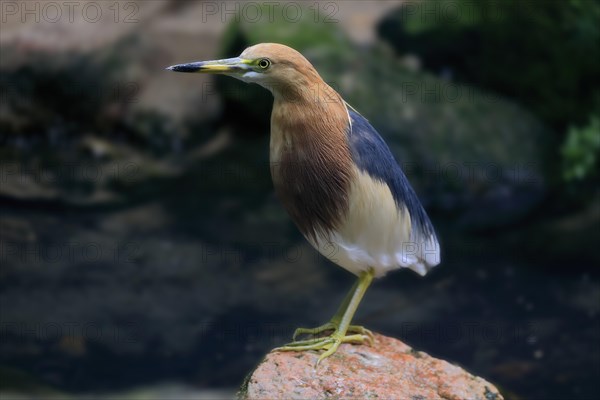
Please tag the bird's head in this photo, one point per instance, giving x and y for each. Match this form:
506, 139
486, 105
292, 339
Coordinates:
276, 67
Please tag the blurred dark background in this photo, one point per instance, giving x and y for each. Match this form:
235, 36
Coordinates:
143, 252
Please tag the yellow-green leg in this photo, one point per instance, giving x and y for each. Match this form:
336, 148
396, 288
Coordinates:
340, 324
335, 321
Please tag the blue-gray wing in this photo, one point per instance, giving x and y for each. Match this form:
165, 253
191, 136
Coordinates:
372, 155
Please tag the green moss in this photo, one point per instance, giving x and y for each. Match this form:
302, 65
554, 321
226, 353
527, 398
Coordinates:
415, 353
489, 395
242, 393
544, 54
581, 151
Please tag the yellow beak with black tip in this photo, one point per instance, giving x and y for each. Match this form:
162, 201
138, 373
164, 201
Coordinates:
234, 65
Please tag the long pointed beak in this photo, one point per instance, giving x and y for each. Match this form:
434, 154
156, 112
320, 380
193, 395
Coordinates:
225, 66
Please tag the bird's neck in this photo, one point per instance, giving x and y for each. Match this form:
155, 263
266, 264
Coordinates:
312, 117
306, 89
307, 106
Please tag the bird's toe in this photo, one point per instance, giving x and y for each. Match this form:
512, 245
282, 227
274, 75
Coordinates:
329, 326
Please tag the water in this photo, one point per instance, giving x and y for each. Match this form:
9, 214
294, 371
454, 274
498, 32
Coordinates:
195, 286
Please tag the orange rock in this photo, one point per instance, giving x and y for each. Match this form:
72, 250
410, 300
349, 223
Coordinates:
388, 370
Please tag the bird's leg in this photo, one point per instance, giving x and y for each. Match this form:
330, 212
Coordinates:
340, 324
334, 323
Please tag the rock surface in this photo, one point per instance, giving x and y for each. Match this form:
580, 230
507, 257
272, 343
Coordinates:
388, 370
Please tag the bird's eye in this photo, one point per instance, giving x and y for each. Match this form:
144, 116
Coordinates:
264, 63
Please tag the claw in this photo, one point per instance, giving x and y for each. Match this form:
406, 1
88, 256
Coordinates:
362, 331
314, 331
333, 326
332, 349
319, 344
328, 343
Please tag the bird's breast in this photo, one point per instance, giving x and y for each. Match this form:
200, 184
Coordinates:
311, 168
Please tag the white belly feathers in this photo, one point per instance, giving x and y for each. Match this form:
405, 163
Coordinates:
377, 234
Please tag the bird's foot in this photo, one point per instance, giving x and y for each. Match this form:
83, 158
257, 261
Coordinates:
328, 343
333, 326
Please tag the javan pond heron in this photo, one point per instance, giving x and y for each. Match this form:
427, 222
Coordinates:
337, 179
